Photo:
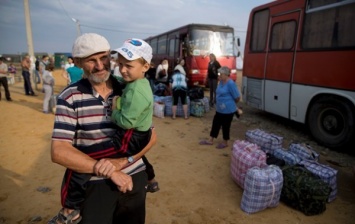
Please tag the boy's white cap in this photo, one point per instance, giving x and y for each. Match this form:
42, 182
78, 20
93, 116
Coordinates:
89, 44
133, 49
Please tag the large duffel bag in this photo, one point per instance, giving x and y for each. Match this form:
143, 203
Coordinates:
262, 188
195, 93
197, 108
290, 158
303, 151
326, 173
303, 190
245, 155
267, 141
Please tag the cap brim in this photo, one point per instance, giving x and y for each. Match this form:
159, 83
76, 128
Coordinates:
124, 54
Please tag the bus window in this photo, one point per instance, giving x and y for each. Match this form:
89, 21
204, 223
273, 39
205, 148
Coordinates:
172, 47
329, 27
204, 42
282, 35
154, 45
259, 30
162, 45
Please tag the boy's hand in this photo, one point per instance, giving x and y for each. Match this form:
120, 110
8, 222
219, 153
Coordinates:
116, 103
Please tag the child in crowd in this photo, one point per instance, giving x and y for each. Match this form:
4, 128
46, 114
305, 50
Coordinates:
48, 84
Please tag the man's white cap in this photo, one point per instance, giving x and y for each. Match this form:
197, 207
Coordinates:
133, 49
89, 44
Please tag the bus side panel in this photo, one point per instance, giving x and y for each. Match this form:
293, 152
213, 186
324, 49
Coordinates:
253, 65
326, 69
302, 95
252, 92
277, 97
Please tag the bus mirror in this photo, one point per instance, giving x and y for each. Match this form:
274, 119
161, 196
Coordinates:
238, 43
238, 54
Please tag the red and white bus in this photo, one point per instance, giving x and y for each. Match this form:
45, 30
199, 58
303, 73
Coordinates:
194, 43
299, 63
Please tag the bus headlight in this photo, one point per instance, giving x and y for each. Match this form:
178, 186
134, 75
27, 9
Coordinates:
194, 71
234, 71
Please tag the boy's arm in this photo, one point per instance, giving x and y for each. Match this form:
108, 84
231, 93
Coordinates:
122, 162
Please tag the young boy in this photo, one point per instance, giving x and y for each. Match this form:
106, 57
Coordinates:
133, 111
133, 114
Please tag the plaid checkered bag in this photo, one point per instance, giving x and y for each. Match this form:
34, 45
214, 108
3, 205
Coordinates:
267, 141
290, 158
245, 155
206, 103
197, 108
326, 173
304, 151
168, 101
158, 109
262, 188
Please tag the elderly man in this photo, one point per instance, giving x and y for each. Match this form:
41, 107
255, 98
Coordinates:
115, 189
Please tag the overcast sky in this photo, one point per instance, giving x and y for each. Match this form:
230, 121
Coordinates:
54, 31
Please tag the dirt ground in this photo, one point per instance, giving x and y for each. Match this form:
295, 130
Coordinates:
195, 181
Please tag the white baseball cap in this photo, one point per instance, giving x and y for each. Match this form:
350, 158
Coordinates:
89, 44
133, 49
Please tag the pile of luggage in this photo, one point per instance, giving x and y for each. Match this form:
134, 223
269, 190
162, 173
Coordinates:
197, 103
268, 174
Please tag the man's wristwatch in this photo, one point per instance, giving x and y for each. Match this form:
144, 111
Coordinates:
130, 159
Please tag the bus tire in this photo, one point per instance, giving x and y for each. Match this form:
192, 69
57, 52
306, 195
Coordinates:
331, 121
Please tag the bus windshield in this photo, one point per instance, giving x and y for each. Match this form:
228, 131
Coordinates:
204, 42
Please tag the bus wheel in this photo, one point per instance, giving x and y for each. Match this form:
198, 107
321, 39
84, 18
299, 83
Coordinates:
331, 122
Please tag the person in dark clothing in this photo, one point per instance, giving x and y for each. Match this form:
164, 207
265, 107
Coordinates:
212, 76
150, 75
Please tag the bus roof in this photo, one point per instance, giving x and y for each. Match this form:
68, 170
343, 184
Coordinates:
199, 26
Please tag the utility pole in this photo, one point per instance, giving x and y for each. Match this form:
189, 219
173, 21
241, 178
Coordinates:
28, 28
29, 35
77, 26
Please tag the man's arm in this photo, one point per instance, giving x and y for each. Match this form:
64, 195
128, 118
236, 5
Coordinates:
63, 153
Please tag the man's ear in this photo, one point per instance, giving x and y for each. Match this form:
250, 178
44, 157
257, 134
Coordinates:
77, 62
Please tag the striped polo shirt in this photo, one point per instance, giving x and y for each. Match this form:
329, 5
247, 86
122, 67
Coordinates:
83, 118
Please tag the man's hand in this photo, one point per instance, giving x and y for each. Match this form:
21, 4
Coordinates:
104, 168
123, 181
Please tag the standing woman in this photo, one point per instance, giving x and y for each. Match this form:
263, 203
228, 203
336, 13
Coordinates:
212, 75
227, 98
178, 86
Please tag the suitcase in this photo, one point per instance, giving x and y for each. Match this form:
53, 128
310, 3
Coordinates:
168, 101
267, 141
289, 157
245, 155
262, 188
197, 108
304, 191
326, 173
303, 151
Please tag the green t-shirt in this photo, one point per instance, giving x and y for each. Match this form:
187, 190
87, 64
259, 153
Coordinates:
136, 106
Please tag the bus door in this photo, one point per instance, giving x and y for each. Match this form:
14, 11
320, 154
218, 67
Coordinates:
173, 52
280, 61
